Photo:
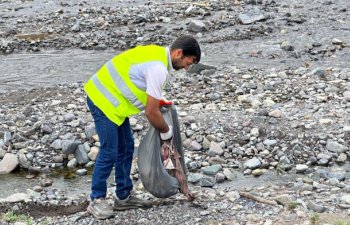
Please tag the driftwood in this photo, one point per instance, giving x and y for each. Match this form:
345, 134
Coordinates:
258, 199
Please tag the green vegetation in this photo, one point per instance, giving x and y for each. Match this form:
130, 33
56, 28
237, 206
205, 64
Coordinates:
292, 205
279, 169
314, 219
12, 218
341, 222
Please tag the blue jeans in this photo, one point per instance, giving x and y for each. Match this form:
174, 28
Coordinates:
116, 149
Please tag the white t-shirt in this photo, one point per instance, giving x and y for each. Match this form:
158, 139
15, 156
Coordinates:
151, 76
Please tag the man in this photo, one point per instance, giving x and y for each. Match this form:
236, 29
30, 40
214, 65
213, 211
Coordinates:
125, 85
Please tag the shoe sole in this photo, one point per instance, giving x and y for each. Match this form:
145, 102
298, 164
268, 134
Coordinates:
120, 208
89, 210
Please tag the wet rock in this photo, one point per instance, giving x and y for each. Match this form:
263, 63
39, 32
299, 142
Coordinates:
81, 172
72, 163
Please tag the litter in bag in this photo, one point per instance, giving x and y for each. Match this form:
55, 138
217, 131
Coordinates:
161, 164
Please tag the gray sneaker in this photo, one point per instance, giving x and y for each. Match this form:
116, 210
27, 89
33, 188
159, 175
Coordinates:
100, 209
131, 202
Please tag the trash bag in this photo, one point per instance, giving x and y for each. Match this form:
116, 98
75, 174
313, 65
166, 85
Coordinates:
154, 177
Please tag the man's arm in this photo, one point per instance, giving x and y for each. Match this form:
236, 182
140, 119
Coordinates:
154, 115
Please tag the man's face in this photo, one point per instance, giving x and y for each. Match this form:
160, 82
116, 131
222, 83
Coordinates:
183, 62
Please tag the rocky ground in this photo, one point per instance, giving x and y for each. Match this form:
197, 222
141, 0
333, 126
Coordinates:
265, 120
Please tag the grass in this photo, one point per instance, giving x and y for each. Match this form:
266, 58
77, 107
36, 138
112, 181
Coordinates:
12, 218
292, 205
341, 222
314, 219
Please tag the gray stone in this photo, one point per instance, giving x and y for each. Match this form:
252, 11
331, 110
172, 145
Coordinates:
2, 153
27, 110
195, 146
93, 153
58, 159
211, 170
197, 26
18, 197
81, 155
334, 146
69, 146
284, 200
23, 161
270, 142
286, 46
342, 158
219, 177
229, 175
81, 172
207, 181
252, 163
194, 177
316, 207
69, 117
46, 129
8, 163
90, 131
301, 168
215, 149
251, 15
340, 175
72, 163
7, 137
199, 67
56, 144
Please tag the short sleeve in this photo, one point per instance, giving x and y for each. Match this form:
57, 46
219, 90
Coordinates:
155, 75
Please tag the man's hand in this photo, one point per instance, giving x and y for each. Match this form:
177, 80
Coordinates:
168, 135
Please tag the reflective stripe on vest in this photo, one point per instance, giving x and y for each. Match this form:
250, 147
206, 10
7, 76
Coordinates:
104, 91
121, 85
111, 88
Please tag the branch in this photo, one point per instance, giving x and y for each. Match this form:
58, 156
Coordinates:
258, 199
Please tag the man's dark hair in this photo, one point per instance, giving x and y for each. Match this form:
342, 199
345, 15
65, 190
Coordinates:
189, 46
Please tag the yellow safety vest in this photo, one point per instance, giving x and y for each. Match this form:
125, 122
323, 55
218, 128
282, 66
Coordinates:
111, 88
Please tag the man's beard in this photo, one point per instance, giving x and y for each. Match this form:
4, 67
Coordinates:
176, 65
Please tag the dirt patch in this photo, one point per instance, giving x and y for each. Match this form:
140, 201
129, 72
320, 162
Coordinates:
38, 211
28, 96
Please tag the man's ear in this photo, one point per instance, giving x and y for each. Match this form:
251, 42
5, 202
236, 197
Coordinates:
178, 53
